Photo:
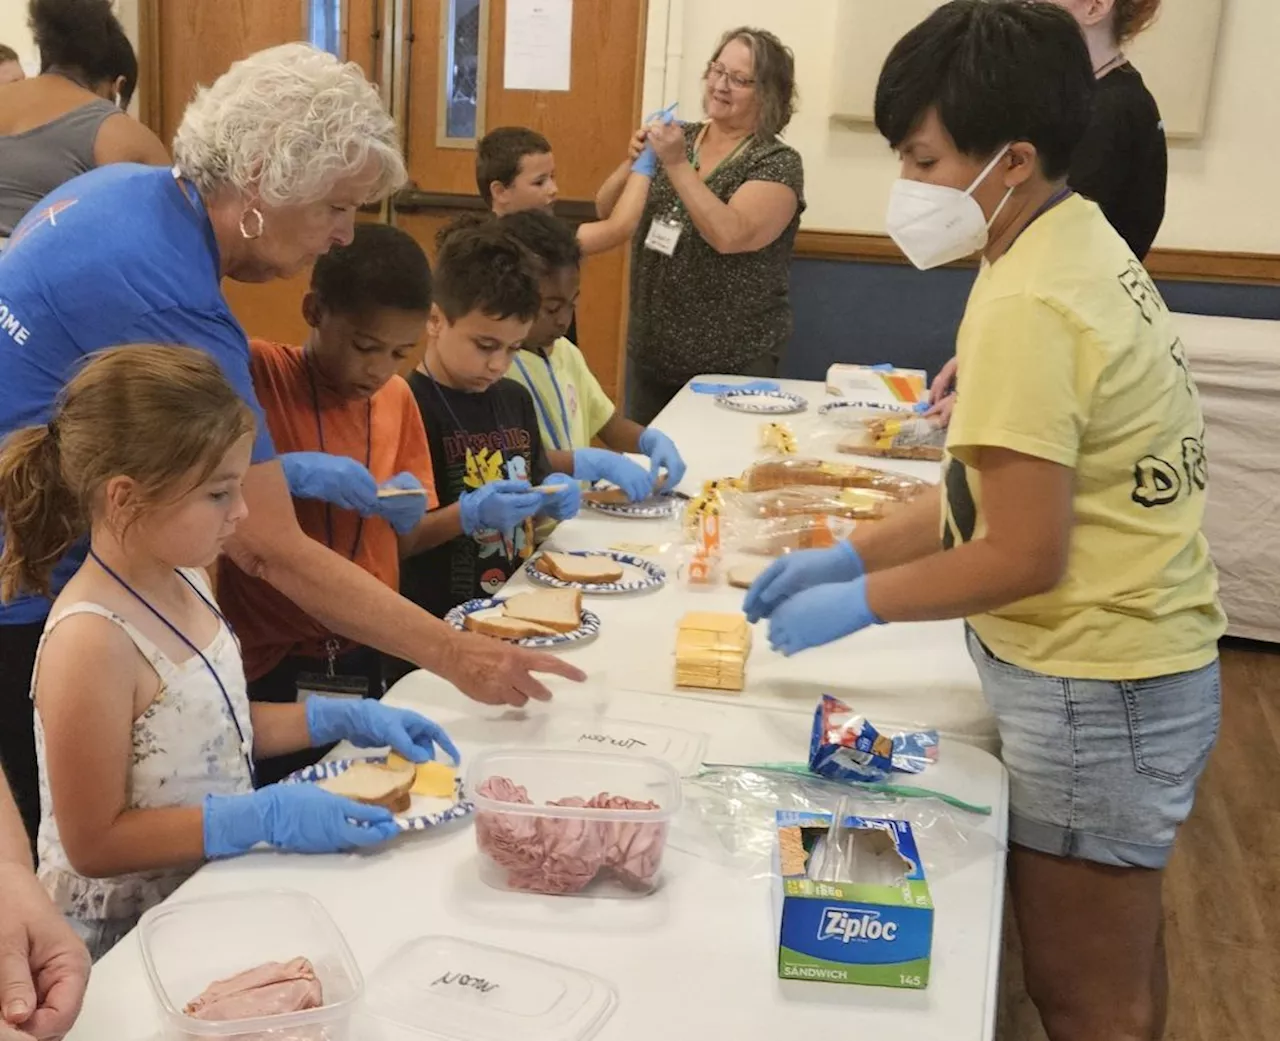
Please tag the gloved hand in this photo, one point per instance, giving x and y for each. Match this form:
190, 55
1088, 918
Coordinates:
403, 512
819, 615
331, 478
646, 162
599, 464
499, 505
565, 503
367, 723
789, 575
663, 453
300, 818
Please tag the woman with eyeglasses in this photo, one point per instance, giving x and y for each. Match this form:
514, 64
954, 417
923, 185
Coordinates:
69, 119
709, 269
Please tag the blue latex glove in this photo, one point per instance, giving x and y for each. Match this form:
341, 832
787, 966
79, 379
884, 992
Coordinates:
300, 818
367, 723
403, 512
566, 502
599, 464
331, 478
795, 572
703, 387
662, 452
499, 506
646, 162
819, 615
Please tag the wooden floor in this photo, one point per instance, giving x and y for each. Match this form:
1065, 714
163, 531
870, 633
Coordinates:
1222, 891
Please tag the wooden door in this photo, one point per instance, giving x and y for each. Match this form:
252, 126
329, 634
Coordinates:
588, 127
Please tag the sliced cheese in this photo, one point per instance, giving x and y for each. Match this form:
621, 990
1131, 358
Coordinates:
434, 780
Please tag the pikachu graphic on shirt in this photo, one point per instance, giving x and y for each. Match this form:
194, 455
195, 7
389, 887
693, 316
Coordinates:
483, 468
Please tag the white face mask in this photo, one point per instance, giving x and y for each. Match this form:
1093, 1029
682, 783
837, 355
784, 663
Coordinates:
934, 224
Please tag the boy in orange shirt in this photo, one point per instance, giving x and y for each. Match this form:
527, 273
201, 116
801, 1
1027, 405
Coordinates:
347, 428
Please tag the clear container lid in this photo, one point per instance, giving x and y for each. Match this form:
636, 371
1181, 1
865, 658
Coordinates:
449, 989
683, 749
549, 775
189, 944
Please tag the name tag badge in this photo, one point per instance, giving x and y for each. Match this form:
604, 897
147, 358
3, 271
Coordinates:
663, 236
310, 685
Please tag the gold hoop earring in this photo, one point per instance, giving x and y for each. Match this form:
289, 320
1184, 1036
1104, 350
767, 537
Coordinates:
256, 213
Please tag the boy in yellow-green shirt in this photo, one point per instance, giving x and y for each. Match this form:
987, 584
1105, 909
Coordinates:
1071, 504
573, 409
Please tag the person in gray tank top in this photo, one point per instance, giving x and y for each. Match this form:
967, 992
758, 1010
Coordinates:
69, 119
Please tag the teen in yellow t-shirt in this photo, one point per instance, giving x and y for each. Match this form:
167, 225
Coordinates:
1072, 502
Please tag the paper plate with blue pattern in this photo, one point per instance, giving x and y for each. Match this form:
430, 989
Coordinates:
589, 628
853, 412
424, 812
656, 507
763, 402
638, 575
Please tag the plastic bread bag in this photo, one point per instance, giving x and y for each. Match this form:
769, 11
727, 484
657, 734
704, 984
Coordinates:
800, 500
846, 746
777, 536
729, 816
897, 437
771, 474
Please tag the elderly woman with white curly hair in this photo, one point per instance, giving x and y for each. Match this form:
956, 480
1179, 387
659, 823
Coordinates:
272, 162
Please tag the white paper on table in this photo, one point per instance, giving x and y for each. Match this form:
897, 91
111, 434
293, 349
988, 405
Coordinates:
538, 45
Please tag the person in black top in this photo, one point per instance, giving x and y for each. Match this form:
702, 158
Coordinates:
486, 450
1122, 163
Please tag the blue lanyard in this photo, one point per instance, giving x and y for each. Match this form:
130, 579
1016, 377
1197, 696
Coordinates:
245, 748
368, 456
1060, 197
542, 407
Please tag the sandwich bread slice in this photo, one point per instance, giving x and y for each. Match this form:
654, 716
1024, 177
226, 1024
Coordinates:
374, 784
505, 627
570, 568
743, 575
556, 609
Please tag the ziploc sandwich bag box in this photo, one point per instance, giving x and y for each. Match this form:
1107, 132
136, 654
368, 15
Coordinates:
851, 932
877, 383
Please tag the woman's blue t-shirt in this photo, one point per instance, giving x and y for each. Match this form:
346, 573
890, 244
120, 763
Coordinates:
122, 254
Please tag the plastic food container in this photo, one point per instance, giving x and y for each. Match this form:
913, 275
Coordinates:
442, 987
187, 945
575, 849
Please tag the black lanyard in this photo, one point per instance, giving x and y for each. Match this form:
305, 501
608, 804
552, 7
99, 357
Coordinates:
368, 455
245, 748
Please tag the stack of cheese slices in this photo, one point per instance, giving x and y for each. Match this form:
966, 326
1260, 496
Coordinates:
712, 650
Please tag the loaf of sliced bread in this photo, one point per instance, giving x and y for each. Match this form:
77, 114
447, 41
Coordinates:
504, 627
570, 568
558, 609
375, 784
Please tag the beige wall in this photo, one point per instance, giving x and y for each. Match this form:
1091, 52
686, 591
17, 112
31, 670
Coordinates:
1222, 189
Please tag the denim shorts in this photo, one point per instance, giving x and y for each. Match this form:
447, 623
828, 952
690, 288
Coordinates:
1100, 770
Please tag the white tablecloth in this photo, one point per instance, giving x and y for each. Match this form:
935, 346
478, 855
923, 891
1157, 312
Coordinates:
698, 958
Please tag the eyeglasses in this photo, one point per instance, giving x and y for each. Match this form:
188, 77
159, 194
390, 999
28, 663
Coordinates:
716, 71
